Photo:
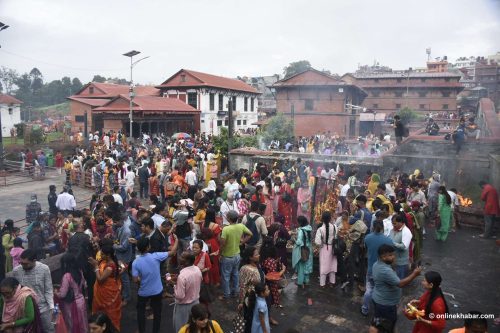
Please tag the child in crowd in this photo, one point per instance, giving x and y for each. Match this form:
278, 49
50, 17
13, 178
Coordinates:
16, 251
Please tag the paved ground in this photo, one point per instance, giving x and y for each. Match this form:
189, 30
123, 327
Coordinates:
470, 270
469, 266
14, 198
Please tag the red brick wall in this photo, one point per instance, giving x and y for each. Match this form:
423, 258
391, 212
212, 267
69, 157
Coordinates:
327, 113
78, 109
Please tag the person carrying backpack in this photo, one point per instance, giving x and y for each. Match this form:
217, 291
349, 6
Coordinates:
256, 223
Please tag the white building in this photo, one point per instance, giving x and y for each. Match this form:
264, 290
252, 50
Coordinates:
211, 94
10, 113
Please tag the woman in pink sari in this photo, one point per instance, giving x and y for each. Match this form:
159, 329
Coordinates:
304, 201
74, 309
267, 191
18, 307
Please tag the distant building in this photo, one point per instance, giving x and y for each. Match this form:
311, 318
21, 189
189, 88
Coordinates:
420, 91
267, 101
10, 113
211, 94
318, 103
108, 106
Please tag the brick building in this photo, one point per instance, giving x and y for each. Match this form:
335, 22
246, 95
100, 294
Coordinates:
318, 103
211, 94
421, 91
95, 94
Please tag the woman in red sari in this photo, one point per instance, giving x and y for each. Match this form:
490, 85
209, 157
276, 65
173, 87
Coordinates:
285, 203
107, 288
432, 301
210, 234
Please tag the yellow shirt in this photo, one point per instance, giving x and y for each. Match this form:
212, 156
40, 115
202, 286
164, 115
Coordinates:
216, 326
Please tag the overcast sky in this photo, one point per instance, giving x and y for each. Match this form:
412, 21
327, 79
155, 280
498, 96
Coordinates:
235, 37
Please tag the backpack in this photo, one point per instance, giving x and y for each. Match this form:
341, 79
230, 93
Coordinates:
253, 228
338, 246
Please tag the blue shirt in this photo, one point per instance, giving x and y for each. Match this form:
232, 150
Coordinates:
367, 218
386, 291
260, 307
147, 268
373, 242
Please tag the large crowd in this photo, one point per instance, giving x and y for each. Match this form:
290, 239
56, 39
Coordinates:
168, 217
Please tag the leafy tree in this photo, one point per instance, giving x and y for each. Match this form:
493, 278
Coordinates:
279, 128
8, 79
36, 80
76, 85
408, 115
116, 80
98, 78
220, 141
296, 67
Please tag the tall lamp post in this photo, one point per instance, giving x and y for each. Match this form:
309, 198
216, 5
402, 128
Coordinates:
408, 85
131, 55
3, 26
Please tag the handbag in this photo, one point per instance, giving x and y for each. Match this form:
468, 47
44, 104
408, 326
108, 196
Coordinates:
305, 251
239, 323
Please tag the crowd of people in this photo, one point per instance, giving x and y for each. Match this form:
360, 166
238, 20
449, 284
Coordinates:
168, 217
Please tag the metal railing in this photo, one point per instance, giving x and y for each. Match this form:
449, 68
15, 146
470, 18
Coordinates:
16, 172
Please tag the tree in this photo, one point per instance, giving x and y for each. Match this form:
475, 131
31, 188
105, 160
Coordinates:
296, 67
76, 85
98, 78
279, 128
116, 80
407, 115
8, 79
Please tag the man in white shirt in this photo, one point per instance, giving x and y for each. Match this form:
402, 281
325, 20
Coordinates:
229, 204
343, 191
401, 237
231, 186
192, 180
65, 202
116, 195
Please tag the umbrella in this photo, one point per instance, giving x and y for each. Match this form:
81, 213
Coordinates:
181, 136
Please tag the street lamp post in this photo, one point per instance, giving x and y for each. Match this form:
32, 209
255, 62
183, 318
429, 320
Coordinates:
408, 85
131, 55
3, 26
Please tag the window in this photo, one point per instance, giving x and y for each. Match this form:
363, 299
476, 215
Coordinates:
375, 93
447, 79
445, 106
226, 122
309, 104
183, 77
91, 90
234, 103
423, 79
251, 104
238, 122
219, 123
212, 102
445, 93
422, 94
245, 106
221, 102
399, 80
244, 122
376, 80
79, 119
398, 106
421, 106
193, 100
11, 111
375, 106
399, 94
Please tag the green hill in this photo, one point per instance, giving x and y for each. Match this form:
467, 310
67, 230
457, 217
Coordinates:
52, 111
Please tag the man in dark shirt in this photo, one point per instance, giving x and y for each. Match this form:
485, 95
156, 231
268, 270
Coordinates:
52, 198
36, 241
398, 129
143, 174
157, 242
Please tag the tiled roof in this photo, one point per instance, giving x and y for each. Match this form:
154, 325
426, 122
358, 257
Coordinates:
207, 80
310, 77
110, 90
7, 99
148, 103
399, 75
90, 101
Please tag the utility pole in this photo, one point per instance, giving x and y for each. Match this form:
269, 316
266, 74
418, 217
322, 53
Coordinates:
3, 26
230, 129
293, 122
85, 129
